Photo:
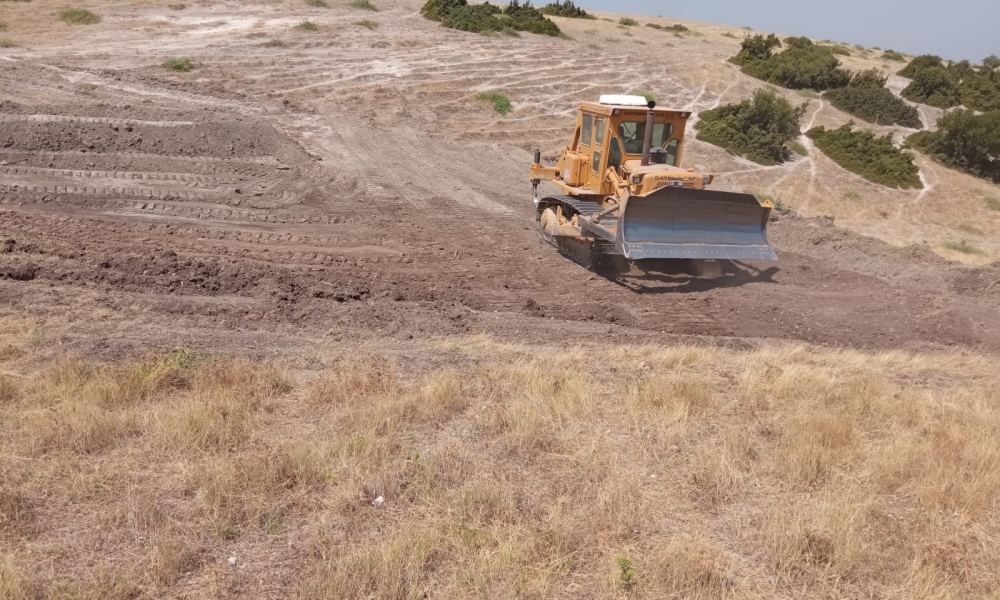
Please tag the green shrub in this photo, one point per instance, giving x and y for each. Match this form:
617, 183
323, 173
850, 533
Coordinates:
932, 86
676, 28
875, 105
485, 18
628, 22
981, 90
975, 86
799, 148
893, 55
924, 61
626, 577
756, 47
838, 50
966, 141
318, 3
874, 158
79, 16
364, 5
757, 128
797, 41
178, 6
867, 98
307, 26
178, 64
275, 43
524, 17
803, 65
993, 203
501, 103
567, 9
6, 43
368, 24
870, 78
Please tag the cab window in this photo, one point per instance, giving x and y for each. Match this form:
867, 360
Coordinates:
599, 138
587, 130
596, 164
633, 134
671, 153
615, 154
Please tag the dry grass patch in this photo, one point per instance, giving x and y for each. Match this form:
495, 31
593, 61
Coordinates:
527, 472
78, 16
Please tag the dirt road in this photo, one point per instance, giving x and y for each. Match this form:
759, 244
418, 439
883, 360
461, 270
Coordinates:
345, 183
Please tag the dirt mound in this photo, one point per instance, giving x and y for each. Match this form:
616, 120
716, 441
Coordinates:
218, 140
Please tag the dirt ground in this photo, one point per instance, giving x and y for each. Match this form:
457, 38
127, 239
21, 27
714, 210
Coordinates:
344, 184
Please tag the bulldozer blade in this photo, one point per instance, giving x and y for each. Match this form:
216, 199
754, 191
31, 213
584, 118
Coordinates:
701, 224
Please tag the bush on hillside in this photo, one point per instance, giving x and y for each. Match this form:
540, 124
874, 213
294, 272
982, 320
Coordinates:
981, 91
867, 98
932, 86
567, 9
975, 86
966, 141
924, 61
871, 78
803, 65
875, 105
758, 128
676, 27
839, 50
893, 55
483, 18
525, 17
874, 158
755, 47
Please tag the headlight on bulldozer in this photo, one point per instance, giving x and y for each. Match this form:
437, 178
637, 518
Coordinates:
637, 180
706, 180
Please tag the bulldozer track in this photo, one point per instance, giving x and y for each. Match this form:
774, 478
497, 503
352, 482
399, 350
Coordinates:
90, 120
239, 165
261, 245
139, 205
185, 178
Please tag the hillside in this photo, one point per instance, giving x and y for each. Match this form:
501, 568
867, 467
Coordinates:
275, 323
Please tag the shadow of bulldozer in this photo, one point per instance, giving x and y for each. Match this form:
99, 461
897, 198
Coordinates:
685, 275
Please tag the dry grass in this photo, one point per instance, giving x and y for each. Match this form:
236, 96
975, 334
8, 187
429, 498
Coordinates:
530, 473
78, 16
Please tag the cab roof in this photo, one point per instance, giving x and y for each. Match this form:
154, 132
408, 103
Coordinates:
630, 109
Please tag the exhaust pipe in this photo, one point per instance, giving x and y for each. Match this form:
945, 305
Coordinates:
647, 141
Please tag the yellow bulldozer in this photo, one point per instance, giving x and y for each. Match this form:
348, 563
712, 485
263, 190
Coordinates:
626, 199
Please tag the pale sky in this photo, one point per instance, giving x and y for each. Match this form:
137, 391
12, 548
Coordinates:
956, 30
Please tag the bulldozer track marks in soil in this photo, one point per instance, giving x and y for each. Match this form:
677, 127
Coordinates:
89, 120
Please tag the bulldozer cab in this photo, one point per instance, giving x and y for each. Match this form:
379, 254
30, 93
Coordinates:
612, 131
